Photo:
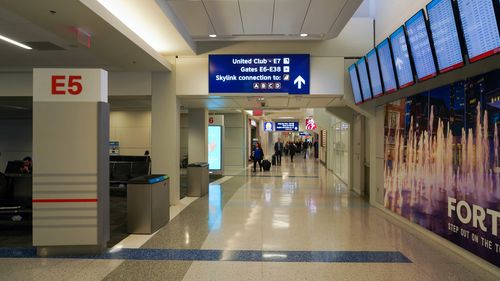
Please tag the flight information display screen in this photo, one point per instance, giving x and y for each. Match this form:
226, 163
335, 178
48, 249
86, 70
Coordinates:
401, 57
420, 47
363, 79
387, 67
444, 34
374, 71
480, 27
353, 74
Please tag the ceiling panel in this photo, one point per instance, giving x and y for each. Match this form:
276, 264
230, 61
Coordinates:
298, 102
222, 103
246, 103
257, 16
225, 16
194, 17
10, 18
277, 102
194, 103
319, 102
289, 16
321, 16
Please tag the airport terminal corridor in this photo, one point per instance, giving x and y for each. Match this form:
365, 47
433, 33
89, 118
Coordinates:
295, 222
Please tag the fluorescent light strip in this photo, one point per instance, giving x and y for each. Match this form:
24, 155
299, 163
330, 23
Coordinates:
14, 42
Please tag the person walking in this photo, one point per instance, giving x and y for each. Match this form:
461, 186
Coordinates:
291, 150
305, 148
257, 157
278, 151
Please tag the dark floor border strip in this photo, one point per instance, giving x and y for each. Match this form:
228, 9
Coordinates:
231, 255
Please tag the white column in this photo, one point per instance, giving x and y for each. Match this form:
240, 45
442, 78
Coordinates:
165, 131
71, 162
198, 135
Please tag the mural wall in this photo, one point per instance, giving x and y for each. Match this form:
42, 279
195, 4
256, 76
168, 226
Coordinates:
442, 163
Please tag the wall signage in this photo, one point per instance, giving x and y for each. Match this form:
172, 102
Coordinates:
268, 126
286, 126
216, 120
433, 187
70, 85
259, 74
310, 124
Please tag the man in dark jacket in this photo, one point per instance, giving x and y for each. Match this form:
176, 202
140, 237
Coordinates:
292, 150
278, 151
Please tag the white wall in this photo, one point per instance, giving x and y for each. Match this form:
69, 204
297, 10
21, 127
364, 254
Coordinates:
198, 135
129, 83
16, 141
132, 129
184, 134
358, 154
234, 140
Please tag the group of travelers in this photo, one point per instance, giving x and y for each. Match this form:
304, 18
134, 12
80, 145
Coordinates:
280, 149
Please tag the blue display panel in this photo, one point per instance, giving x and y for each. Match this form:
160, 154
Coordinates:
364, 81
444, 34
420, 46
214, 147
374, 71
387, 67
259, 74
480, 27
356, 90
286, 126
268, 126
401, 57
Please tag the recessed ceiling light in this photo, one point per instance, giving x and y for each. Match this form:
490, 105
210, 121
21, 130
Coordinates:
304, 35
13, 42
212, 35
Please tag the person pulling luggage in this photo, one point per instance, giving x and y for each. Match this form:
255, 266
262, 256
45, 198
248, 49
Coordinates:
257, 157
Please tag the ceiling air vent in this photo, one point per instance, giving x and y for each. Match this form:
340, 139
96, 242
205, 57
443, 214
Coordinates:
43, 46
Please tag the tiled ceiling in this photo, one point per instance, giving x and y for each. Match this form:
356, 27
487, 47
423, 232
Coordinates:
263, 19
35, 26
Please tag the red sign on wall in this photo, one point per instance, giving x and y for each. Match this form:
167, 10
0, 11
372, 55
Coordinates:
71, 85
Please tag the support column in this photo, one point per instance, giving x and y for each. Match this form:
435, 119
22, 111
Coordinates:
165, 131
71, 162
198, 135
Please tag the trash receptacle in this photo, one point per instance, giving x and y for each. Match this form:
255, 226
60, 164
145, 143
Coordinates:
148, 203
197, 179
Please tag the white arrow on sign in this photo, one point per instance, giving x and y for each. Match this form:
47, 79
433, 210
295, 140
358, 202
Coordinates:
399, 63
299, 80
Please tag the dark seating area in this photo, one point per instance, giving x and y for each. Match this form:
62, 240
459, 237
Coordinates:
124, 168
15, 209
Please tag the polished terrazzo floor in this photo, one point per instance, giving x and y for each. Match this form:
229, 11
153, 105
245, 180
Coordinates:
296, 222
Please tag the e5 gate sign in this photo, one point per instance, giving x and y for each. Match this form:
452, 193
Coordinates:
259, 74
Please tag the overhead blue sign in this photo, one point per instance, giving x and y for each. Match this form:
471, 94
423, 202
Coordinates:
268, 126
286, 126
259, 74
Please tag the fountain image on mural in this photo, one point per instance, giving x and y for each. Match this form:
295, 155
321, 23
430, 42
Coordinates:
442, 162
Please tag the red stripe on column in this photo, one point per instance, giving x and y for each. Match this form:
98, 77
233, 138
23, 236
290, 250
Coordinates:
83, 200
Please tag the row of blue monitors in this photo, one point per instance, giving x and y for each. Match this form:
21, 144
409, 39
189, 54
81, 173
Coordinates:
424, 47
